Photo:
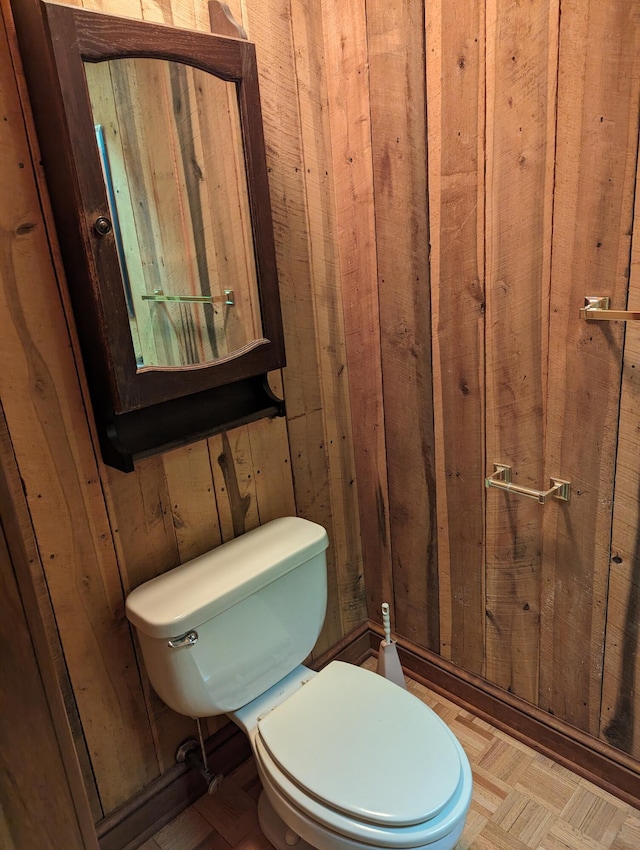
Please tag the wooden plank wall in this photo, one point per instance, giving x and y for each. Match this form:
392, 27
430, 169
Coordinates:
598, 94
41, 737
620, 716
455, 73
448, 180
530, 115
101, 532
28, 735
398, 133
520, 147
349, 91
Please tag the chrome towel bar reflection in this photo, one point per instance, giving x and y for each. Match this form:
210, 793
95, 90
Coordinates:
158, 295
501, 478
596, 309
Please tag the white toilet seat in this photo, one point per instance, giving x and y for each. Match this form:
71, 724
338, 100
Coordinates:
298, 791
403, 765
285, 796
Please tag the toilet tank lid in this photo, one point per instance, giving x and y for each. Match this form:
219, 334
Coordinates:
187, 596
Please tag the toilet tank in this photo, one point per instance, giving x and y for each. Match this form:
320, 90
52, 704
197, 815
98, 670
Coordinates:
220, 630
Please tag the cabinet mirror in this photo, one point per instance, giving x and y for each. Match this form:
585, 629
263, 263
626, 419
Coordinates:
170, 144
154, 157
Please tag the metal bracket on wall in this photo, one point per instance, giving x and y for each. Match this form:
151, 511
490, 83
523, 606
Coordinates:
501, 478
158, 295
596, 309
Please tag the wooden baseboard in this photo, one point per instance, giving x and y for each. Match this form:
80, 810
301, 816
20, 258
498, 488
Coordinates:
164, 798
606, 767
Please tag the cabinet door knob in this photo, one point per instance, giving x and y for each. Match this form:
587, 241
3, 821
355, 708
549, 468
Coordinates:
102, 225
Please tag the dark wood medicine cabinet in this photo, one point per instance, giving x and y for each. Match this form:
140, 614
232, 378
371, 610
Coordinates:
153, 151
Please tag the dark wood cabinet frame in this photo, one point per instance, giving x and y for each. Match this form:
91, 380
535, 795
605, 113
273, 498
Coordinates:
142, 411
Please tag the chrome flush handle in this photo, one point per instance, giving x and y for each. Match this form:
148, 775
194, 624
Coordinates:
190, 639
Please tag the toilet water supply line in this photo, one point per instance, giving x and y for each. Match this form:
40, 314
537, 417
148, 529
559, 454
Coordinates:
187, 754
213, 779
388, 662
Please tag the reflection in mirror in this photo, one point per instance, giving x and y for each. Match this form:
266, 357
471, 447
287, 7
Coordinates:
171, 148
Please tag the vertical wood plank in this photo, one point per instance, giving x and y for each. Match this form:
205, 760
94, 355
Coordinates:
64, 732
455, 119
228, 236
272, 471
232, 469
142, 93
141, 521
47, 421
598, 94
268, 441
272, 25
29, 742
396, 42
521, 91
620, 713
348, 92
191, 493
328, 317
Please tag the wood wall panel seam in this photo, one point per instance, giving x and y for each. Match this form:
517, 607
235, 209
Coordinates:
294, 171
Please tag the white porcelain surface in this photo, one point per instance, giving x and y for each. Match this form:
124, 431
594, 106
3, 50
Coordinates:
229, 666
363, 746
247, 716
276, 576
330, 830
183, 598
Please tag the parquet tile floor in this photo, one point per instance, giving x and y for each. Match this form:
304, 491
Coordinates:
521, 801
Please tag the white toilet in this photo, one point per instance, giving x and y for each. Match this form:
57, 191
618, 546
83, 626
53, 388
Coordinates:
346, 758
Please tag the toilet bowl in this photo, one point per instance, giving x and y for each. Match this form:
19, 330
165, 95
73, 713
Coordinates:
349, 760
346, 758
